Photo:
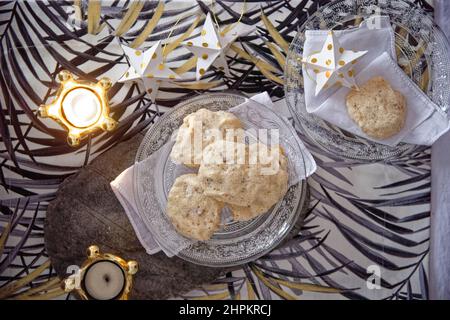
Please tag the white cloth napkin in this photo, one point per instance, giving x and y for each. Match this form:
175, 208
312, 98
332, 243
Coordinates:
365, 37
123, 186
425, 121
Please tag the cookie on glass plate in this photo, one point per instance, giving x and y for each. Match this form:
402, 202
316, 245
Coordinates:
192, 213
377, 109
249, 186
206, 126
268, 195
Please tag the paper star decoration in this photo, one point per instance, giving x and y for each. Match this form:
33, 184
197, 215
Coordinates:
333, 64
211, 46
149, 66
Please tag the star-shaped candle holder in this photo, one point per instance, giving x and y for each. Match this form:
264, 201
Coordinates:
333, 64
80, 107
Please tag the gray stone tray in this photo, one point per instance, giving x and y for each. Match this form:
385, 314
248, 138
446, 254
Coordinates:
87, 212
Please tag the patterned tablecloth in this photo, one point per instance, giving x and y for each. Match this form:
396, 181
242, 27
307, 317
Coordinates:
366, 220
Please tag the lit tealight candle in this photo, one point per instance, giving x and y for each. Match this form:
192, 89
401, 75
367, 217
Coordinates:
104, 280
81, 107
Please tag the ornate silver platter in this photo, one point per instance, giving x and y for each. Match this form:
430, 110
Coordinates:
422, 52
236, 242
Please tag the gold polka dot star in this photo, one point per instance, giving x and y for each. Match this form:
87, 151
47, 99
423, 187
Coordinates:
211, 45
148, 65
333, 65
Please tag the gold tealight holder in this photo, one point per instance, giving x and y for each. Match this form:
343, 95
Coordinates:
103, 276
80, 107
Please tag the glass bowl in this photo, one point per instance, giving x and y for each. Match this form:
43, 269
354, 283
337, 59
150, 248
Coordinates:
236, 242
422, 52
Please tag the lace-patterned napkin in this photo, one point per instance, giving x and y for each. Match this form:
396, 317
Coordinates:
425, 121
254, 113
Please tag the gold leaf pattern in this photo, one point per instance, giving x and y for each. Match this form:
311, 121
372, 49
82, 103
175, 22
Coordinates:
188, 65
308, 286
171, 46
11, 288
94, 11
274, 33
151, 24
272, 287
54, 293
53, 283
130, 17
3, 237
258, 62
277, 54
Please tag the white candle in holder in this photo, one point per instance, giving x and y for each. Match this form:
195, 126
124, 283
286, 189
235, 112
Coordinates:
104, 280
81, 107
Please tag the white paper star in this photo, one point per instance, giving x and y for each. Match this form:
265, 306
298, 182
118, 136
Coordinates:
149, 66
211, 46
333, 64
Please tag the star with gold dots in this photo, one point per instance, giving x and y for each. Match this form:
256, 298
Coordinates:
333, 64
148, 65
211, 46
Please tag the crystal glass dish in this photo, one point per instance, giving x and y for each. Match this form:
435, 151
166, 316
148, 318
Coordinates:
422, 52
236, 242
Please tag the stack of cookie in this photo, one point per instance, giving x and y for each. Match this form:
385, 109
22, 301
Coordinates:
230, 173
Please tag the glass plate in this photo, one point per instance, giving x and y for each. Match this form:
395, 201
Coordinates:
422, 51
237, 242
